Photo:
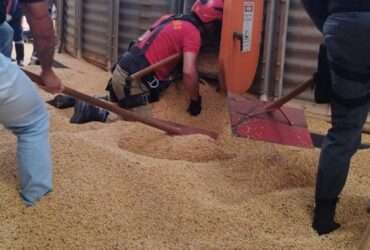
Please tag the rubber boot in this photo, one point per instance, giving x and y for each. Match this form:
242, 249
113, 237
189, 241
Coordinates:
19, 50
85, 112
323, 221
62, 102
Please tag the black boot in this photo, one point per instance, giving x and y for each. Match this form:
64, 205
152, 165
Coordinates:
323, 220
19, 50
62, 101
85, 112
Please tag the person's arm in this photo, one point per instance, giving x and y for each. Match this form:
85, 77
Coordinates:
190, 75
191, 47
191, 82
44, 40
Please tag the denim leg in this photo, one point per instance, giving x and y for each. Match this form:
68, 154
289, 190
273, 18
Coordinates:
346, 38
23, 112
6, 39
340, 145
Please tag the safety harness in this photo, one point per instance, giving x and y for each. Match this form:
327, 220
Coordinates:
134, 60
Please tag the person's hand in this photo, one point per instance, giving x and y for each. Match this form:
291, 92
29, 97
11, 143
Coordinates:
195, 107
51, 82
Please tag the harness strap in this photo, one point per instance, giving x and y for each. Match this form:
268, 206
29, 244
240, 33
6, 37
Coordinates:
157, 29
133, 101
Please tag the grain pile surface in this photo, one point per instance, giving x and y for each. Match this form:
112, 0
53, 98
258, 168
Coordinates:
124, 185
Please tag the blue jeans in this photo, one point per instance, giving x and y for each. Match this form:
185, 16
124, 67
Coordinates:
23, 112
347, 40
16, 24
6, 39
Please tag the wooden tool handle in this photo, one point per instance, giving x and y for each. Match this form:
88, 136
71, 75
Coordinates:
169, 127
296, 92
126, 114
138, 75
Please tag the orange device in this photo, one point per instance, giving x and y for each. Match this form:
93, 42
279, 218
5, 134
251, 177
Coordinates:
240, 43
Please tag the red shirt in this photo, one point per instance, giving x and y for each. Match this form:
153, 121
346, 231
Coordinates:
176, 37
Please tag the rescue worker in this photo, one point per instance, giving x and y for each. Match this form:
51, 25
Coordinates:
22, 110
346, 28
170, 35
6, 32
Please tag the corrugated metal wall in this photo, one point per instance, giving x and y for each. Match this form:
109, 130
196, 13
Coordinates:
302, 45
187, 5
69, 27
135, 16
100, 30
96, 33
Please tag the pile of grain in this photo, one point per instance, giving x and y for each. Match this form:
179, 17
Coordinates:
124, 185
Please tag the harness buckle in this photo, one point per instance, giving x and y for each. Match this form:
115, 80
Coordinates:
154, 83
145, 97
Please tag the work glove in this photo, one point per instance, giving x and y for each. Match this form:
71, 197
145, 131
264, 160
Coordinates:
195, 107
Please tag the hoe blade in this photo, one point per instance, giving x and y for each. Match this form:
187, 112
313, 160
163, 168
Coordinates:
286, 126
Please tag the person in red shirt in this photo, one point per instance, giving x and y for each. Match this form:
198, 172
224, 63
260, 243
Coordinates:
168, 36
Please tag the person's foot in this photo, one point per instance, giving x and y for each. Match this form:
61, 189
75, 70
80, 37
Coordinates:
31, 199
323, 221
34, 61
62, 102
20, 63
85, 112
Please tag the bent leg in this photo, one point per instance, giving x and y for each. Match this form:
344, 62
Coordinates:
23, 112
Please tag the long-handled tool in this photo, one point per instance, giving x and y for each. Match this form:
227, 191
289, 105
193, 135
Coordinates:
169, 127
169, 60
271, 121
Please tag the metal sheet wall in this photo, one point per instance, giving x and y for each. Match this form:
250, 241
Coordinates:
69, 26
96, 31
100, 30
187, 5
302, 45
135, 16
